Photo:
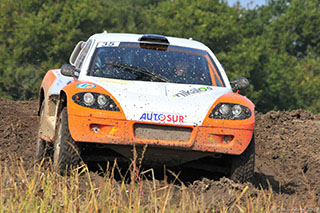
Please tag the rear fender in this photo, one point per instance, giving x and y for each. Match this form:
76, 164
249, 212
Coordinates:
52, 84
46, 84
49, 97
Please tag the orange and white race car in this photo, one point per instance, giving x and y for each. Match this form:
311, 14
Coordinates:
125, 90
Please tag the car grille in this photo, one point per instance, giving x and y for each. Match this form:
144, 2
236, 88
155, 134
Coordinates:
160, 132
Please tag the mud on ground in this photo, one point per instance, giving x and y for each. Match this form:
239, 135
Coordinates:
287, 153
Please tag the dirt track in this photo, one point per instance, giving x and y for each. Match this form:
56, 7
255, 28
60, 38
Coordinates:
287, 152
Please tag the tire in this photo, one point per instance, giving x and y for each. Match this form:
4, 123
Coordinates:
242, 168
43, 148
66, 152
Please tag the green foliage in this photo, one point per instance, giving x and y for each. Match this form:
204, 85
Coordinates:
275, 46
279, 54
213, 23
21, 82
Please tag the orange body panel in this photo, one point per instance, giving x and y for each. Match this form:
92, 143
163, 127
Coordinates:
121, 132
48, 80
75, 109
213, 72
235, 98
214, 135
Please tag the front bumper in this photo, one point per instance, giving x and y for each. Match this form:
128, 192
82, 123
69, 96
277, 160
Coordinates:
217, 139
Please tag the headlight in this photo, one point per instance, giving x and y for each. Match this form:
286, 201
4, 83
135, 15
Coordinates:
224, 109
236, 110
102, 100
88, 99
95, 100
230, 111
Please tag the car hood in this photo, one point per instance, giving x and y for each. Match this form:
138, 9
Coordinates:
159, 102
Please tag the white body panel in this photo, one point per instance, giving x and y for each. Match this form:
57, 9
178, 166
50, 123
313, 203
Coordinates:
154, 101
157, 102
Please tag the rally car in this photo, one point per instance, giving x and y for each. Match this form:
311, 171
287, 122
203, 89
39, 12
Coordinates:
168, 95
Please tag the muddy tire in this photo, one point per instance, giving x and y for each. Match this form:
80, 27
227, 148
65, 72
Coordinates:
66, 152
242, 169
43, 148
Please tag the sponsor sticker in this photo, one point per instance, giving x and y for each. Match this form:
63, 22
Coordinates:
115, 81
164, 117
86, 86
185, 93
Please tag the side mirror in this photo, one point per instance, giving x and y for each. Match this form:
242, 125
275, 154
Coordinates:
69, 70
240, 83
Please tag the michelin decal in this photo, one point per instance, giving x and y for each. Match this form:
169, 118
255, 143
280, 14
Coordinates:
185, 93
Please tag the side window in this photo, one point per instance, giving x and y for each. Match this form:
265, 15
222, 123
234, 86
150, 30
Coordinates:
83, 54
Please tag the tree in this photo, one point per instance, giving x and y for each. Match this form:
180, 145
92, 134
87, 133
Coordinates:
275, 46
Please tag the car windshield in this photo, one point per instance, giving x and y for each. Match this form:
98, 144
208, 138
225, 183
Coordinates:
133, 61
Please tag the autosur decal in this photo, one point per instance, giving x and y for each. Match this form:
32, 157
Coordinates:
86, 86
185, 93
162, 117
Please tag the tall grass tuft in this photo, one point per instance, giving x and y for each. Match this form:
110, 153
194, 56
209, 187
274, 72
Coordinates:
39, 189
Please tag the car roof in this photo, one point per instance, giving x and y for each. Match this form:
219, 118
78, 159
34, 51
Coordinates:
127, 37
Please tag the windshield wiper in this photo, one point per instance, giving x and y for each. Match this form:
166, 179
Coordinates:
137, 70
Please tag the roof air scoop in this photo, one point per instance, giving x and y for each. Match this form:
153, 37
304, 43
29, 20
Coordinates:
156, 42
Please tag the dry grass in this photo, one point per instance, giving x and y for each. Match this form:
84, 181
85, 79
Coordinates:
42, 190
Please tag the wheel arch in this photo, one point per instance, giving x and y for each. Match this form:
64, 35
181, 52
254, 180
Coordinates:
62, 102
41, 99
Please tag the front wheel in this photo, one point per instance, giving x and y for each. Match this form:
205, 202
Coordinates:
66, 151
242, 169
